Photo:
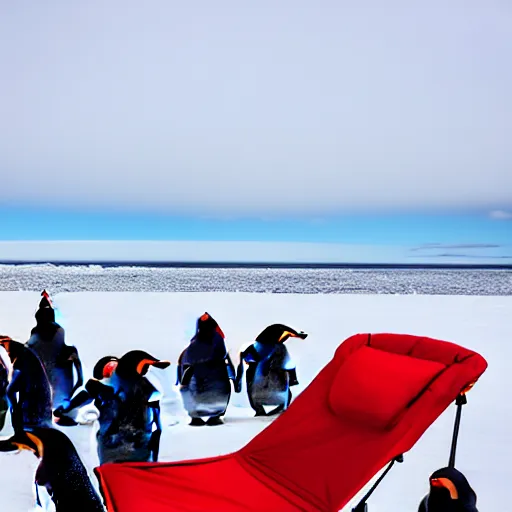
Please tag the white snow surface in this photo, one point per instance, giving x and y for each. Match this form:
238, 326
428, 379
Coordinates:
162, 323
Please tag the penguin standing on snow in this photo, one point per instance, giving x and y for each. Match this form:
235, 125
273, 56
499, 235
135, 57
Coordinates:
61, 471
270, 371
449, 492
29, 393
47, 340
98, 391
205, 372
131, 436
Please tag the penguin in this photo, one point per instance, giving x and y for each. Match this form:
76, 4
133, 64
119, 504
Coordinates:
61, 471
449, 492
102, 371
98, 391
28, 393
204, 374
131, 436
47, 340
270, 372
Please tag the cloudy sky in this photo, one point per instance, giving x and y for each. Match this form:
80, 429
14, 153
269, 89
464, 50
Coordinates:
327, 121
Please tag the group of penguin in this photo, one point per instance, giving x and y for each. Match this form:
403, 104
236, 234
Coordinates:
40, 374
205, 372
39, 390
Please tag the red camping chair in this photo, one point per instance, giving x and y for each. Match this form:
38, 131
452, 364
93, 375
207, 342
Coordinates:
370, 404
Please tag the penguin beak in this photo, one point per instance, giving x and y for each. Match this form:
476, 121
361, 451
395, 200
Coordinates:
285, 336
150, 362
162, 365
446, 484
288, 334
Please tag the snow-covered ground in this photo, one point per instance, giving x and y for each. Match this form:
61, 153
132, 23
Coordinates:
119, 277
162, 323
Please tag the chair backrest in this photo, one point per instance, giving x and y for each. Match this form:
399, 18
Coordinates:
374, 388
372, 402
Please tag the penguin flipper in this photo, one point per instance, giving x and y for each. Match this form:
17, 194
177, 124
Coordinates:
239, 375
230, 367
155, 409
154, 444
82, 398
187, 376
293, 377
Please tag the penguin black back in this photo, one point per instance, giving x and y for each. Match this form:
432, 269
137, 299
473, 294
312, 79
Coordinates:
46, 327
207, 345
206, 328
33, 406
450, 491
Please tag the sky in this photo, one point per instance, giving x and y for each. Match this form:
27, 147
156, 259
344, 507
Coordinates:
318, 122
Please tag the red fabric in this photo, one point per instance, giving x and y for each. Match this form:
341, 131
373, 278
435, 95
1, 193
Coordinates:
207, 485
372, 402
378, 401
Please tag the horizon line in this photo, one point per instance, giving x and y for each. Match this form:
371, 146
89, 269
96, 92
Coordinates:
258, 264
244, 253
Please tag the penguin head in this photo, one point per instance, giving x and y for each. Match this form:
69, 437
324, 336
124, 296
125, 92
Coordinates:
105, 367
136, 363
45, 315
450, 492
45, 302
23, 440
278, 333
206, 327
